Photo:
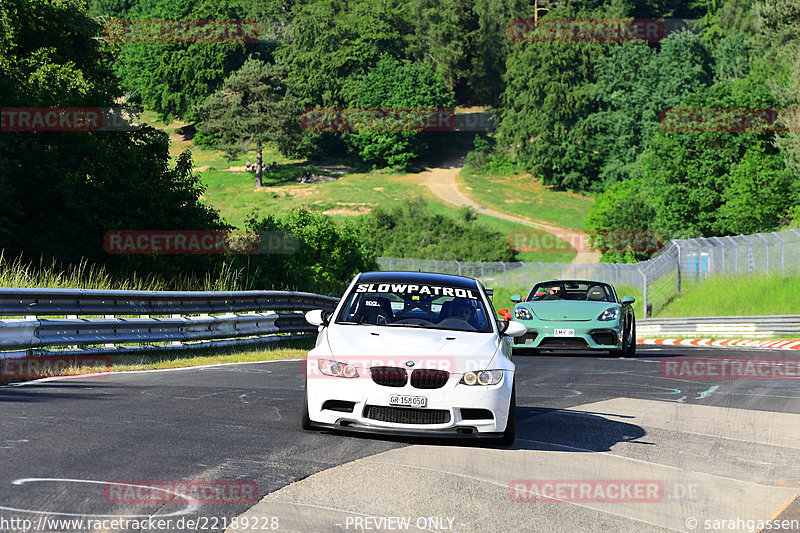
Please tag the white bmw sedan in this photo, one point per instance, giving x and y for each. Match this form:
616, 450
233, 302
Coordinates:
411, 353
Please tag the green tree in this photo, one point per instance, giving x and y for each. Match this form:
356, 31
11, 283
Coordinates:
692, 175
411, 230
252, 108
172, 78
326, 257
443, 38
635, 84
778, 22
394, 84
331, 45
546, 101
61, 191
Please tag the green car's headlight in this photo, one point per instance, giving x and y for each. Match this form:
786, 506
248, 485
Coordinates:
612, 313
522, 314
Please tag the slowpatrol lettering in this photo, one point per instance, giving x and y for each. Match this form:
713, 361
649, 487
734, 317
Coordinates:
431, 290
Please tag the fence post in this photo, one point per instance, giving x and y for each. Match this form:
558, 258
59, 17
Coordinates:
780, 239
390, 264
644, 292
675, 242
524, 269
766, 253
504, 273
459, 267
542, 265
735, 256
722, 244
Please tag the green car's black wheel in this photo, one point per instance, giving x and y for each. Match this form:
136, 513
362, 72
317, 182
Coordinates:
624, 350
632, 341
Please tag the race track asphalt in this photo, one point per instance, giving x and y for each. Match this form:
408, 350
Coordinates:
716, 447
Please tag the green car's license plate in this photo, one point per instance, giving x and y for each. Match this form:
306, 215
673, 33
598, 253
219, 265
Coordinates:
564, 332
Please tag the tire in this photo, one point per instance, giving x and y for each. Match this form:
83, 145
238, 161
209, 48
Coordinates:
510, 433
623, 351
632, 342
305, 419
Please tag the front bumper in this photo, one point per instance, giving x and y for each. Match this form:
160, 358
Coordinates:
454, 410
590, 335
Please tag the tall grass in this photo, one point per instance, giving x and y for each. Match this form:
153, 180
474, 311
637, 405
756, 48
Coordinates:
747, 295
18, 272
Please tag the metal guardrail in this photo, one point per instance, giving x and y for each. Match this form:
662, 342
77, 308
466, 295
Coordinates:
43, 302
751, 327
264, 313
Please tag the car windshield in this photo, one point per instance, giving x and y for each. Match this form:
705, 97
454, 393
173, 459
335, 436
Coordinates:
420, 306
581, 291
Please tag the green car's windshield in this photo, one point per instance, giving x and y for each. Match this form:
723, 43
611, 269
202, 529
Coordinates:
572, 291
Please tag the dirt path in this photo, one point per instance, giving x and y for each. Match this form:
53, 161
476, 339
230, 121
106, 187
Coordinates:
442, 182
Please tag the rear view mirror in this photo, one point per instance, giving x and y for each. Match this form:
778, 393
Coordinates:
515, 329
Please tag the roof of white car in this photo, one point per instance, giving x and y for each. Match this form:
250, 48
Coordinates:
421, 278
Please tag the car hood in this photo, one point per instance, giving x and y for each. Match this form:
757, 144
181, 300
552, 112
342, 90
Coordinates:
455, 351
567, 311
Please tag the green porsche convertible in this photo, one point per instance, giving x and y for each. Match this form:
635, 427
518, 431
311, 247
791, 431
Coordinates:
575, 315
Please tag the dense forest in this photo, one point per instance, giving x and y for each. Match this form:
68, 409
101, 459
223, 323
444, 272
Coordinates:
582, 114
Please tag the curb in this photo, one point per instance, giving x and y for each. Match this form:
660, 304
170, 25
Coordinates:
726, 343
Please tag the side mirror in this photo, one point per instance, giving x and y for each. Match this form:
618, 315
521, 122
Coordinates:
515, 329
318, 317
628, 300
516, 298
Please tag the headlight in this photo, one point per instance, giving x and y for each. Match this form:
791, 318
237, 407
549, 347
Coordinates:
612, 313
337, 369
485, 377
522, 314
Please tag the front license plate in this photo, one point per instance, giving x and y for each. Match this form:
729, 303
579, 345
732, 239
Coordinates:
564, 332
408, 401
